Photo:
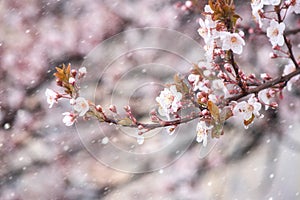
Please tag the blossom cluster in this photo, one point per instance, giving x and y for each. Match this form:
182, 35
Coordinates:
216, 87
68, 79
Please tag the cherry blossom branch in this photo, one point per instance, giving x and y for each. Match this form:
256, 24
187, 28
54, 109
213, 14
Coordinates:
268, 84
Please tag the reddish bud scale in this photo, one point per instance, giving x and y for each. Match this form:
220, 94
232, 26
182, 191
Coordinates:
99, 108
73, 73
113, 108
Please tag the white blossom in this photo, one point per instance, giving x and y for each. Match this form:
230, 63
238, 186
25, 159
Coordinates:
207, 29
169, 101
265, 97
271, 2
257, 8
294, 5
232, 41
289, 68
51, 97
81, 106
69, 118
247, 109
202, 132
72, 80
208, 9
219, 88
275, 33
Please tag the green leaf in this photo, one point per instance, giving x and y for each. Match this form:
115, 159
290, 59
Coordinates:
125, 122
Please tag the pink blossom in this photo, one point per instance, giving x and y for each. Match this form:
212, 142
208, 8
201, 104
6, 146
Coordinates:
202, 132
81, 106
52, 97
247, 109
169, 101
69, 118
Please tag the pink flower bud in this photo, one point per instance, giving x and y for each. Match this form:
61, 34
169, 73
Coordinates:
228, 67
274, 105
73, 72
99, 108
113, 108
140, 127
72, 80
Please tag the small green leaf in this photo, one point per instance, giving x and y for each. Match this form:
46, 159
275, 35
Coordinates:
125, 122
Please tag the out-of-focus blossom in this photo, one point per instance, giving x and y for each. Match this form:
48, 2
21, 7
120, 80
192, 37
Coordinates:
294, 5
219, 88
265, 97
289, 68
208, 9
207, 29
232, 41
247, 109
81, 106
69, 118
169, 101
257, 9
52, 97
275, 33
202, 132
197, 84
71, 80
271, 2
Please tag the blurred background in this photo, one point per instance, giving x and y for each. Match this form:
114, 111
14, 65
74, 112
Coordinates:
40, 158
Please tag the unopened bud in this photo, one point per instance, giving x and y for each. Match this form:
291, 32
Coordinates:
58, 82
140, 127
154, 118
252, 76
204, 112
99, 108
113, 108
265, 76
228, 67
273, 55
72, 80
127, 108
73, 73
274, 105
